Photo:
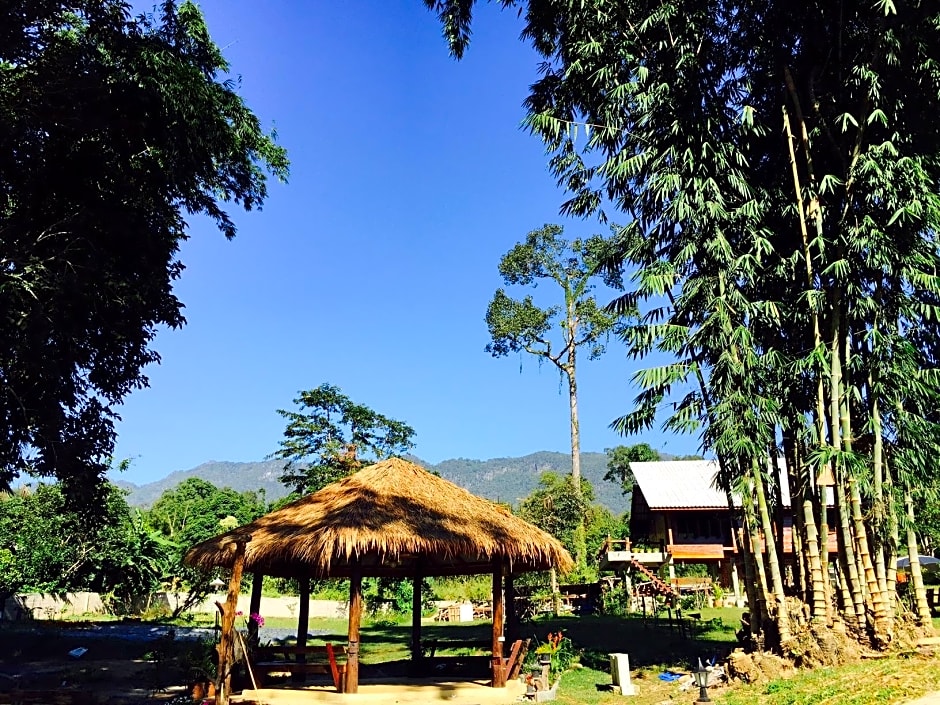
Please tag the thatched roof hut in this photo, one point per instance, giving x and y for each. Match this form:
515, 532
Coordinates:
393, 518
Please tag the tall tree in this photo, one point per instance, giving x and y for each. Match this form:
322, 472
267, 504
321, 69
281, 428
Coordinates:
781, 164
522, 326
330, 436
113, 130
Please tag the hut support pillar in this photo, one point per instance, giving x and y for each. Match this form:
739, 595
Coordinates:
303, 625
355, 616
512, 619
499, 672
416, 653
226, 647
254, 606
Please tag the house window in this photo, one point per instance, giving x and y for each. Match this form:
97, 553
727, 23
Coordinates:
698, 526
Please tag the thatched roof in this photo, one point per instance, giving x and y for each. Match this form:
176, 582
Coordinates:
392, 518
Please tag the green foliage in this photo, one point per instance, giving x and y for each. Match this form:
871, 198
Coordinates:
331, 437
194, 511
692, 570
516, 325
393, 595
46, 546
559, 649
463, 588
615, 601
618, 463
555, 507
115, 130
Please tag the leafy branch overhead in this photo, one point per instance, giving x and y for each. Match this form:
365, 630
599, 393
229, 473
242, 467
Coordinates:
114, 129
329, 437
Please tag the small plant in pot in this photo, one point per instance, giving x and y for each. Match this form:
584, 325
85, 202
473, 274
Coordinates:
557, 654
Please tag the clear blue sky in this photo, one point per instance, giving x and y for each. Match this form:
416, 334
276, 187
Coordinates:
373, 267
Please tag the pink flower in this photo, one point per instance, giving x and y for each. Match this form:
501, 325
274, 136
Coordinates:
257, 619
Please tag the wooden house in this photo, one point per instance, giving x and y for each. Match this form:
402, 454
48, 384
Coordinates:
679, 516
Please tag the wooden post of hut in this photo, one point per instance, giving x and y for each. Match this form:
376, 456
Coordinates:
303, 626
499, 673
226, 647
254, 606
355, 617
512, 619
416, 653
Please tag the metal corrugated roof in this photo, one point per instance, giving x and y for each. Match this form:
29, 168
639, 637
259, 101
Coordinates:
686, 484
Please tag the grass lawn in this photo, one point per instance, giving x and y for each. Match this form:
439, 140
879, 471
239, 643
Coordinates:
889, 680
653, 647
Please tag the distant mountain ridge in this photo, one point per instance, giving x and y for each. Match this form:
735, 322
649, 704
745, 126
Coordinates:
503, 479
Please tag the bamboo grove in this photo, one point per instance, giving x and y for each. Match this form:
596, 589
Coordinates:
778, 166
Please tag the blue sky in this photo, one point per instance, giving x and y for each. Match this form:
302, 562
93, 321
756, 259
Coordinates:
373, 267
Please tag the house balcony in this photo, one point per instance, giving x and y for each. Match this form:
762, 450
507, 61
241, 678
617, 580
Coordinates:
617, 554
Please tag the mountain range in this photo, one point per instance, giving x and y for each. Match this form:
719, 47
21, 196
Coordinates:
502, 479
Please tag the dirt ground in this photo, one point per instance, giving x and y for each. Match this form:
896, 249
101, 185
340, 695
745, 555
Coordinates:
134, 664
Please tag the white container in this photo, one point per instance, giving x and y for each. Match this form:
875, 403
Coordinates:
466, 612
620, 674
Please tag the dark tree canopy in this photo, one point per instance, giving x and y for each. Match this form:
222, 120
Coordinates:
113, 130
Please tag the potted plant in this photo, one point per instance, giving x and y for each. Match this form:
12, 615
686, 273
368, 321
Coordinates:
553, 656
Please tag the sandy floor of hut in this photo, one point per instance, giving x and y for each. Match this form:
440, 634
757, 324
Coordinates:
406, 691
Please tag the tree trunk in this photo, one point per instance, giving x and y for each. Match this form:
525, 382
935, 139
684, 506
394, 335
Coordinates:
750, 581
881, 628
781, 614
845, 595
846, 544
878, 504
580, 539
556, 598
882, 631
754, 539
416, 584
254, 606
894, 543
226, 647
796, 474
847, 557
917, 579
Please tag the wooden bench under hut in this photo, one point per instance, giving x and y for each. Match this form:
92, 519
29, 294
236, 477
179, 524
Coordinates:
326, 659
